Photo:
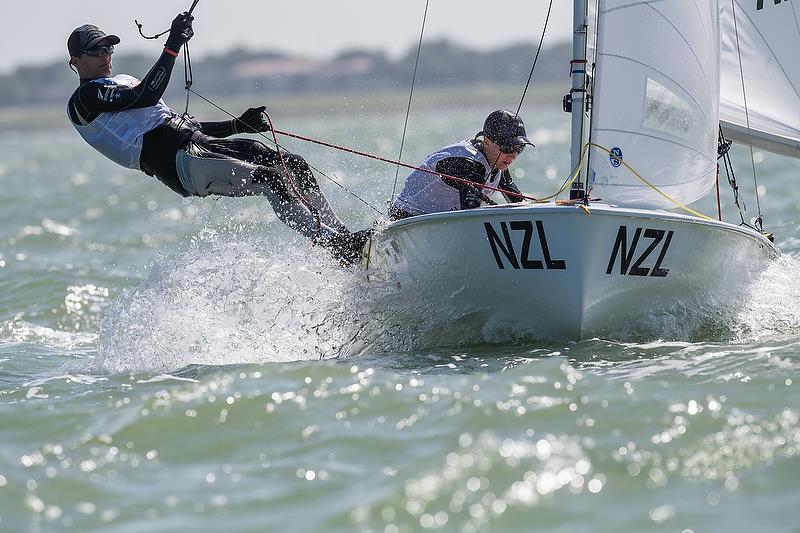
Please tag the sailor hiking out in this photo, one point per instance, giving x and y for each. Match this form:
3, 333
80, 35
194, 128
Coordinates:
126, 120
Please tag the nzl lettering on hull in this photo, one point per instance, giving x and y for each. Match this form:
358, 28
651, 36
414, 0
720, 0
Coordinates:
760, 3
646, 243
521, 258
631, 260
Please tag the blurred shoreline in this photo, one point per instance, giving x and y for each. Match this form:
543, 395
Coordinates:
322, 103
449, 75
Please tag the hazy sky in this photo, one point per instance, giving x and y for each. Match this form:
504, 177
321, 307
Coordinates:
36, 31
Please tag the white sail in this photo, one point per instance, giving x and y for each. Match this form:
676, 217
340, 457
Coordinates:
656, 101
766, 35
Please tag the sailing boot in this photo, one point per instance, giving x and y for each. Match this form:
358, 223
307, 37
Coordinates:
346, 247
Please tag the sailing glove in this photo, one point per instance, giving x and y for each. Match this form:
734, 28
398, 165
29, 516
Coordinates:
180, 32
470, 197
252, 121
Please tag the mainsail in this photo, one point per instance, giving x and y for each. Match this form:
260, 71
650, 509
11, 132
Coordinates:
765, 35
656, 101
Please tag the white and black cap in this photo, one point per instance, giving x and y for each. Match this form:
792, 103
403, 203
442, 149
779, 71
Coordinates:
86, 37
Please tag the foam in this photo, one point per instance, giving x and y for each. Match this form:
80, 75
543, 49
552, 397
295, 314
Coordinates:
228, 302
773, 305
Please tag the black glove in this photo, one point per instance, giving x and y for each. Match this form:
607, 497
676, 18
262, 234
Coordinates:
180, 32
470, 197
252, 121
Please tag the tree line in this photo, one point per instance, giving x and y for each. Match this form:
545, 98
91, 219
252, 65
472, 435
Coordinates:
243, 72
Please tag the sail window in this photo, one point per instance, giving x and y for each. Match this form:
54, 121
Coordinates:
666, 112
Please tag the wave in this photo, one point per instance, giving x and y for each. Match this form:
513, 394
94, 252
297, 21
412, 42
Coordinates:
224, 301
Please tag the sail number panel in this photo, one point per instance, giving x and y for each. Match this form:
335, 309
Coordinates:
502, 246
645, 243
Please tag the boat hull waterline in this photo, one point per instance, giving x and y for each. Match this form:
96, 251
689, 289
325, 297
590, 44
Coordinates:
551, 272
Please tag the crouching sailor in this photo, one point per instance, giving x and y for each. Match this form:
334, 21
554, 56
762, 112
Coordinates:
477, 163
126, 120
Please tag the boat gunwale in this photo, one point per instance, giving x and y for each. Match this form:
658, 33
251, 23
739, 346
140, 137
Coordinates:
597, 208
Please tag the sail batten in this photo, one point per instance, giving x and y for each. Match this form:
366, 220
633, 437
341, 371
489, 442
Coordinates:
687, 94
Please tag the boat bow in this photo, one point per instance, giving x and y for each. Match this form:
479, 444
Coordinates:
555, 272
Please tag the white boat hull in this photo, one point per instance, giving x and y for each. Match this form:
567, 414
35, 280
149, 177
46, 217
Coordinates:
550, 272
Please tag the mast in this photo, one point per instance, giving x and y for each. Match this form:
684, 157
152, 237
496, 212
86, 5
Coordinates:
575, 101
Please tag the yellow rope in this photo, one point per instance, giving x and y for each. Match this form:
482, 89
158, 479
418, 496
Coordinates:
678, 204
572, 178
577, 171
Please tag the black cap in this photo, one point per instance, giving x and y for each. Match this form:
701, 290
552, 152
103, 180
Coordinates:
86, 37
506, 130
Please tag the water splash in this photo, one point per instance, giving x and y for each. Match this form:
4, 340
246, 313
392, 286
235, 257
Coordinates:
230, 302
773, 305
233, 299
227, 300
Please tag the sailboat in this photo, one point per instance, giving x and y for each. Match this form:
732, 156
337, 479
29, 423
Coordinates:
661, 77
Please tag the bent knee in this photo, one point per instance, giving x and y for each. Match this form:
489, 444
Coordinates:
275, 181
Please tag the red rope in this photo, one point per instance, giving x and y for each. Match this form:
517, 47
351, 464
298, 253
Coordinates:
364, 154
393, 162
289, 175
719, 205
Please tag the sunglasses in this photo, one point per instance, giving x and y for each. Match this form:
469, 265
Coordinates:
515, 150
98, 51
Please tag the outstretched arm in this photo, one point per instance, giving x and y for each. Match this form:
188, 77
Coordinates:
103, 95
251, 121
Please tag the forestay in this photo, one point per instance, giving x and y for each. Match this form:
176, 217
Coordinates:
656, 101
768, 43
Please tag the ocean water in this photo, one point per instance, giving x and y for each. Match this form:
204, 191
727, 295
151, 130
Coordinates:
193, 365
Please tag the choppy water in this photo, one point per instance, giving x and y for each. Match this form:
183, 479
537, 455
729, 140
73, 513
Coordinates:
172, 365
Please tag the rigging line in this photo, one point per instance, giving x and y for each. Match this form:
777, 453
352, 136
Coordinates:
568, 181
530, 76
730, 174
364, 154
535, 59
320, 172
410, 96
188, 75
572, 176
719, 205
759, 220
289, 179
656, 189
405, 165
157, 35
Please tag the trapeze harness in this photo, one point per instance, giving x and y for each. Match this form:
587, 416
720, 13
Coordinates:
426, 192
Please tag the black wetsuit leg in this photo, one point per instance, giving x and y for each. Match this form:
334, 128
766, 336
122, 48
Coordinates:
243, 167
260, 154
